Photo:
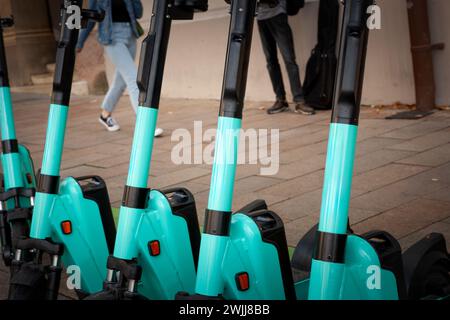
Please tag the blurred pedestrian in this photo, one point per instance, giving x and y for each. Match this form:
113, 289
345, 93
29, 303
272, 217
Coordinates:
118, 33
276, 33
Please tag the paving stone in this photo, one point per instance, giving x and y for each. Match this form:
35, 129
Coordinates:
382, 123
296, 229
302, 130
178, 177
299, 206
441, 195
113, 149
301, 167
254, 183
193, 187
373, 144
304, 140
377, 159
300, 185
206, 180
80, 171
383, 176
416, 130
303, 152
406, 219
433, 157
244, 170
365, 133
357, 214
442, 115
115, 193
117, 181
425, 142
383, 199
110, 161
286, 121
83, 160
241, 200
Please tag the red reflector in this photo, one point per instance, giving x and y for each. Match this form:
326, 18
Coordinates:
153, 247
66, 227
242, 281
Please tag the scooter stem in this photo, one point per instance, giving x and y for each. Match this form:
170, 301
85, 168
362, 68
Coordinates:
48, 186
150, 78
329, 257
218, 214
10, 148
4, 80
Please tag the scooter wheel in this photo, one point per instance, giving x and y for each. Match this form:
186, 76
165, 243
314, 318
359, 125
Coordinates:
432, 278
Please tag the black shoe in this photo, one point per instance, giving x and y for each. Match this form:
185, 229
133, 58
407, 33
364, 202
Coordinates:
278, 107
304, 109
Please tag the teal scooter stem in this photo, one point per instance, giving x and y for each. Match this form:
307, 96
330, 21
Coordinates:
215, 237
328, 265
158, 236
72, 221
17, 196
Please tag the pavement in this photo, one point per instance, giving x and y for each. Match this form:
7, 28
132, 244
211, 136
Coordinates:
402, 169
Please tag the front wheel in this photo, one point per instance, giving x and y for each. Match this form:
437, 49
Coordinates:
427, 268
432, 278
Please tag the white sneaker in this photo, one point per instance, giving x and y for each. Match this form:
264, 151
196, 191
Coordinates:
158, 132
110, 123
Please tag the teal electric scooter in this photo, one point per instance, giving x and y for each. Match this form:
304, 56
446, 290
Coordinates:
245, 255
158, 236
18, 179
72, 220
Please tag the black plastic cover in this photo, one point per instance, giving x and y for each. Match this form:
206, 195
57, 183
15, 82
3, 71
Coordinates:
272, 231
94, 188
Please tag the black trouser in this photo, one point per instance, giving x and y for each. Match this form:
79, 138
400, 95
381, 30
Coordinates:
277, 32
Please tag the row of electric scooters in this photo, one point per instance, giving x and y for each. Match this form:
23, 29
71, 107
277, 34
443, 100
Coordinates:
158, 251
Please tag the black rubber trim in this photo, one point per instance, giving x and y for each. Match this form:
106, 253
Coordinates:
19, 214
48, 184
45, 245
10, 146
98, 193
217, 222
330, 247
128, 268
4, 78
187, 210
135, 197
274, 233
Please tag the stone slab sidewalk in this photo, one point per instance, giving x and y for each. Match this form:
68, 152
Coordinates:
402, 170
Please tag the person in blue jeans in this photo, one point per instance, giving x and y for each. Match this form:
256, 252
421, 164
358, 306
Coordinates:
118, 34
